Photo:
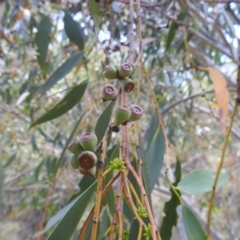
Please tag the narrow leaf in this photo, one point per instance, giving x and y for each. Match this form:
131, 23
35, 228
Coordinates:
222, 94
10, 160
73, 31
201, 181
170, 208
61, 72
171, 34
103, 121
67, 225
192, 226
133, 233
95, 13
68, 102
42, 40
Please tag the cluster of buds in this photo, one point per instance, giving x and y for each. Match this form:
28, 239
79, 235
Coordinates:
84, 159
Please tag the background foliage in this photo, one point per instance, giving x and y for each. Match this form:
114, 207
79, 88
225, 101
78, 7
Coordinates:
52, 54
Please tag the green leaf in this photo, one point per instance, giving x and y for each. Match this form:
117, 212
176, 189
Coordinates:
42, 40
95, 13
201, 181
73, 31
61, 72
1, 181
133, 233
68, 102
10, 160
66, 226
171, 34
104, 224
103, 121
170, 208
155, 153
192, 226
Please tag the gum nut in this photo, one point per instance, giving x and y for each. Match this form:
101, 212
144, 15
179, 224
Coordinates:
87, 160
136, 112
74, 146
88, 172
127, 85
88, 141
121, 115
74, 161
125, 70
110, 72
109, 92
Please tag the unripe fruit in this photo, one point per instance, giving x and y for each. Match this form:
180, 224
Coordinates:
121, 115
127, 85
125, 70
136, 112
87, 160
110, 72
74, 146
88, 172
109, 92
88, 141
74, 161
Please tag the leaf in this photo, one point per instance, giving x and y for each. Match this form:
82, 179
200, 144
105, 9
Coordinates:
1, 181
61, 72
201, 181
68, 102
103, 121
10, 160
192, 226
104, 224
154, 158
170, 208
68, 223
42, 40
73, 31
222, 94
171, 34
95, 13
133, 232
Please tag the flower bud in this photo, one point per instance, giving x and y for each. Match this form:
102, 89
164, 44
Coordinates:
121, 115
88, 172
127, 85
109, 92
125, 70
88, 141
110, 72
136, 112
87, 160
74, 161
74, 146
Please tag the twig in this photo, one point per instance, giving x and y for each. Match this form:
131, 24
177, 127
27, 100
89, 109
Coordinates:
105, 190
226, 140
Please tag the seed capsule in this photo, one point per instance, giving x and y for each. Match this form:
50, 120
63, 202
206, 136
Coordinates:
87, 160
127, 85
136, 112
125, 70
88, 141
88, 172
109, 92
74, 161
74, 146
110, 72
121, 115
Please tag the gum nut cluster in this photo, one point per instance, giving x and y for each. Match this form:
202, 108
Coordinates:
123, 73
84, 159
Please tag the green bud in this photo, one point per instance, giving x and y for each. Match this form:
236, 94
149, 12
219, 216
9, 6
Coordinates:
87, 160
88, 141
121, 115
